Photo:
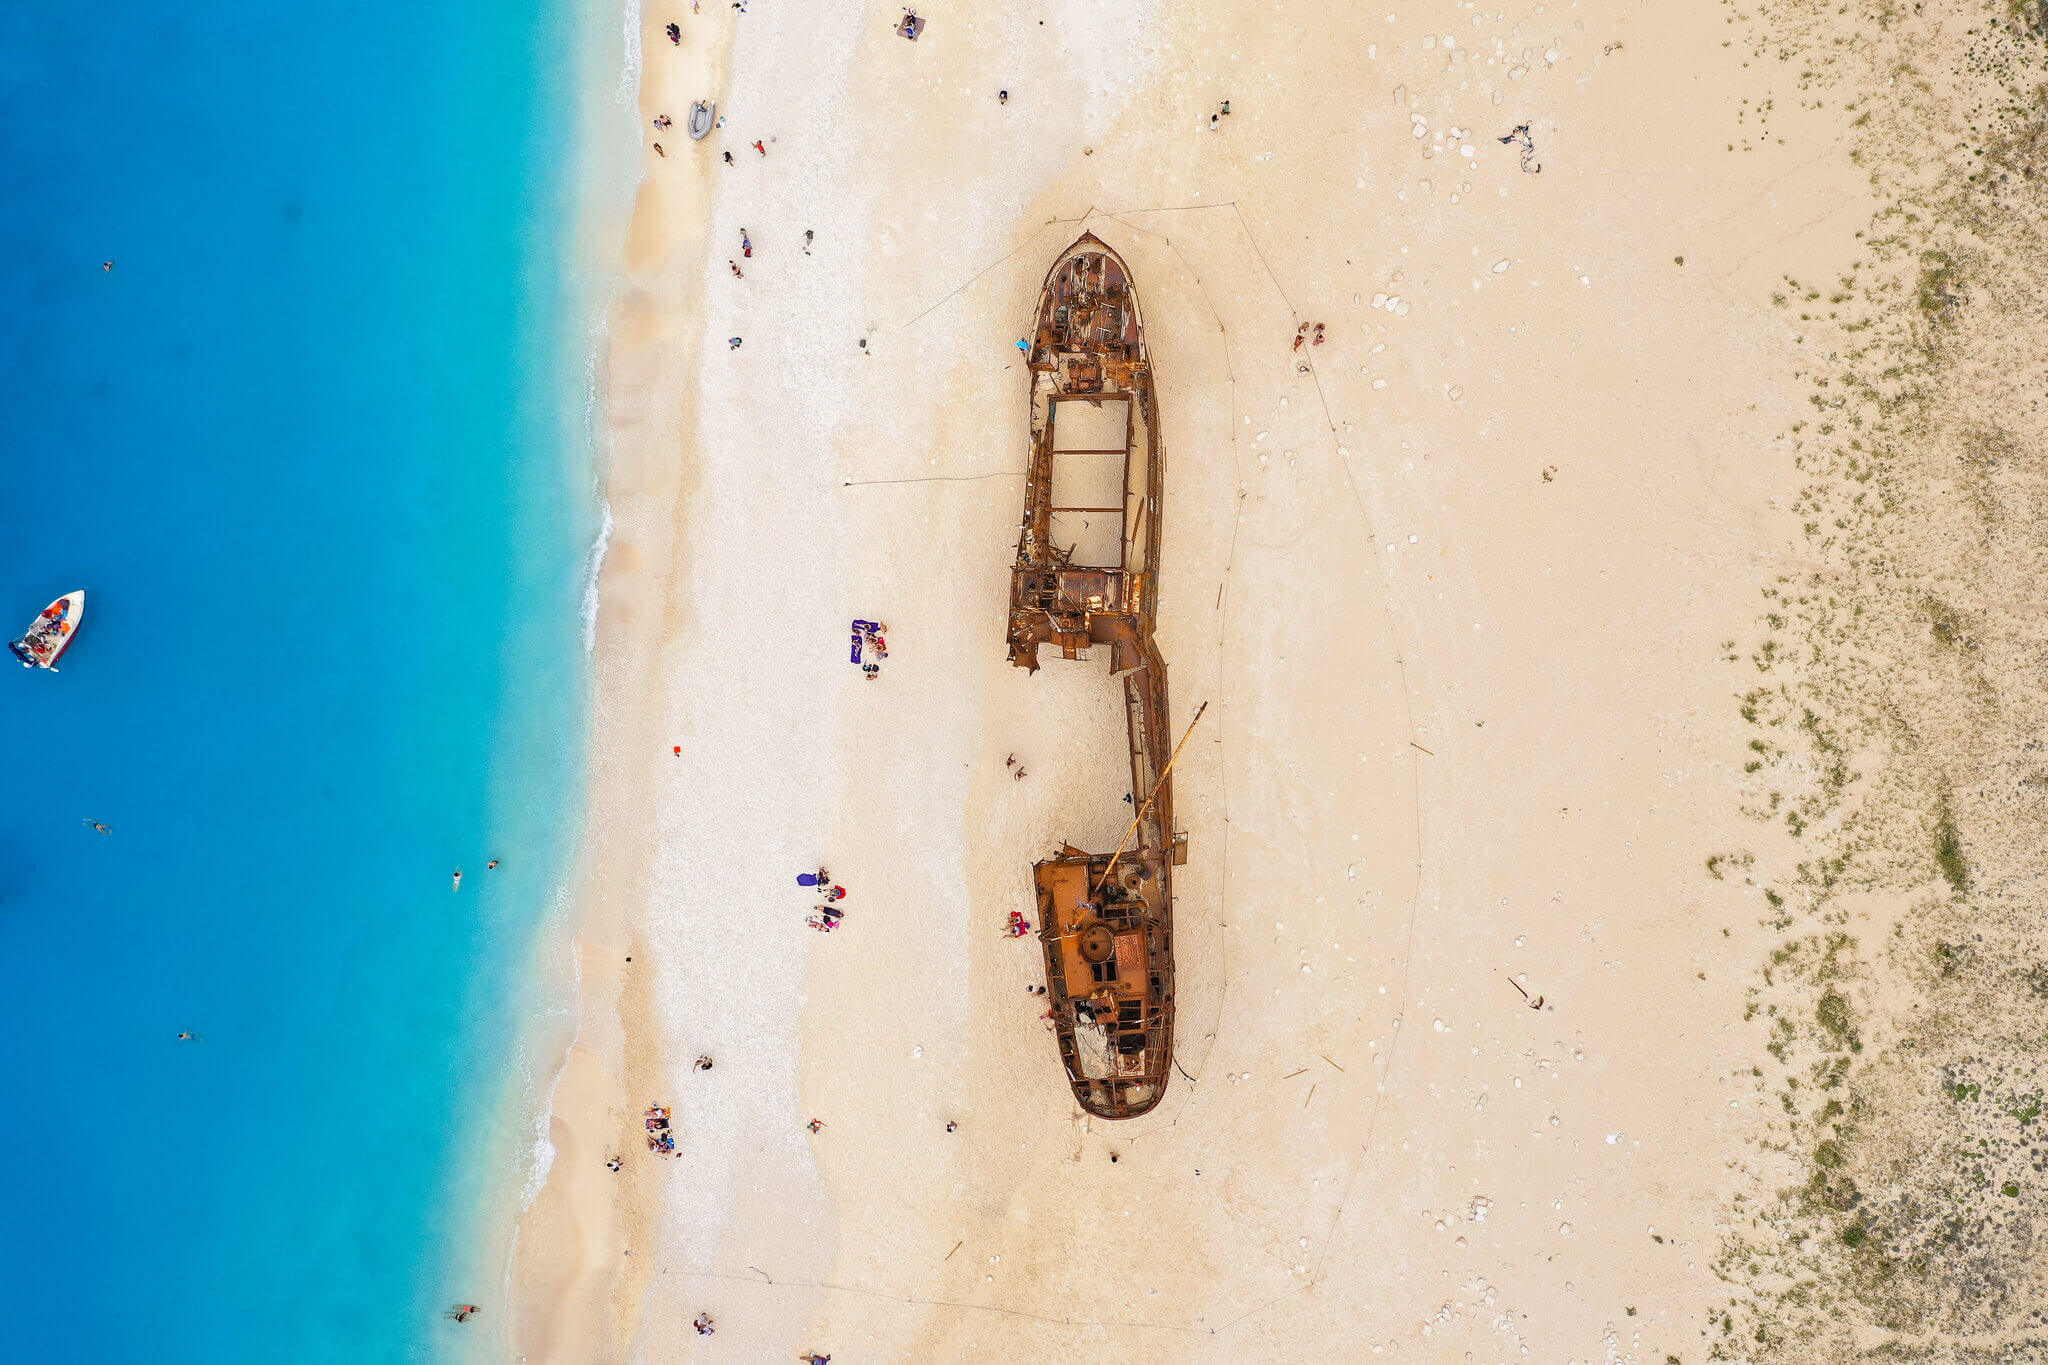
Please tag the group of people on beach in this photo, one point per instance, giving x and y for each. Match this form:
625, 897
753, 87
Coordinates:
826, 914
661, 1139
869, 634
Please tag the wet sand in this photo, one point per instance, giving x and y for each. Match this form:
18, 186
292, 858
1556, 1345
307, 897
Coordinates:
577, 1292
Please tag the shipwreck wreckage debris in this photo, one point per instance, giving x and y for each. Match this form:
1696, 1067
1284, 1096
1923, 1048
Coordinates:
1087, 574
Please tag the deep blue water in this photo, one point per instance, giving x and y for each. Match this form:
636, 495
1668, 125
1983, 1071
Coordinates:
314, 448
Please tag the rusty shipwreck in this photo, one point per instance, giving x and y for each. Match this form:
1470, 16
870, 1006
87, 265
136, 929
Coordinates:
1087, 574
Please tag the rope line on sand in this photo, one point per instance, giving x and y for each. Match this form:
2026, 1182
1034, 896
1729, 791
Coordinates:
983, 271
1223, 658
917, 1302
935, 478
1372, 1126
1343, 459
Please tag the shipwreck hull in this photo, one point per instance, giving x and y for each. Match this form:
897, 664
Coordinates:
1086, 574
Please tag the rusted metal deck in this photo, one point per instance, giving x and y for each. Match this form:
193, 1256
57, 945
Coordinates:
1086, 574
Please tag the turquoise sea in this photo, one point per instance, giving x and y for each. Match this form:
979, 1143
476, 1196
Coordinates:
317, 448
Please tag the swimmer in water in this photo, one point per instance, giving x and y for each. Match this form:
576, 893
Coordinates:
458, 879
491, 864
188, 1037
103, 829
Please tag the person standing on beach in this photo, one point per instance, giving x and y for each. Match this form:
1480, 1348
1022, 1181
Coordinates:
728, 158
746, 245
807, 241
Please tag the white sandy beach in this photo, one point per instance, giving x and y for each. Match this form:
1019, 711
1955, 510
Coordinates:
1460, 586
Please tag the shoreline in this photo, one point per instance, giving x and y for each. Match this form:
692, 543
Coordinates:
573, 1297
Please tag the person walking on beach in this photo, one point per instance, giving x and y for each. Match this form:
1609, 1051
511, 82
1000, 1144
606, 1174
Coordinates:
737, 273
675, 34
728, 158
746, 245
807, 241
815, 1125
759, 148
